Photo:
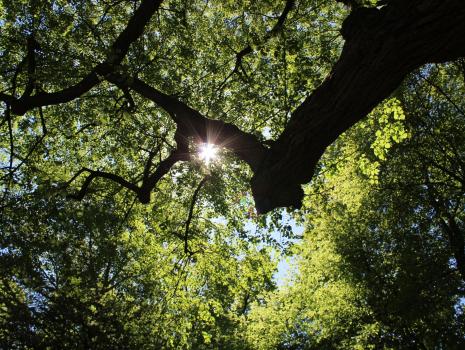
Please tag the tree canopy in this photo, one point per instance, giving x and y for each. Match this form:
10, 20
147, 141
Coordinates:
201, 65
143, 142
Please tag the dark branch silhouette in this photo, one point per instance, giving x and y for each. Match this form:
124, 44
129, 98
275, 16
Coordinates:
270, 34
119, 49
32, 46
96, 173
149, 180
385, 45
191, 214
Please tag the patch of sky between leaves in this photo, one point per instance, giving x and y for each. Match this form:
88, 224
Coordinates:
286, 264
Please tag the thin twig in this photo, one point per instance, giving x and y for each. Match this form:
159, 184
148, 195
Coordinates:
191, 213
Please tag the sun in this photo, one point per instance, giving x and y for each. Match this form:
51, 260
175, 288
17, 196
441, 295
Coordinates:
207, 152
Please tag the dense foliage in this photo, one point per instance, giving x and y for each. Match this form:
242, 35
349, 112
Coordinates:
84, 264
380, 266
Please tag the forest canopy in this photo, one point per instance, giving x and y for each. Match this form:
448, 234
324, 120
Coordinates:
147, 149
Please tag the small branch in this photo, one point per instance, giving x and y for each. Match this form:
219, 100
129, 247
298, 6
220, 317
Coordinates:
239, 56
36, 143
149, 164
95, 173
81, 129
131, 106
191, 213
449, 227
149, 181
273, 32
42, 122
10, 135
32, 45
462, 67
75, 176
119, 49
443, 169
14, 79
443, 93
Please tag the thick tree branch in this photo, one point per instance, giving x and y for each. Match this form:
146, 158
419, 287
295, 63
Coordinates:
7, 98
95, 173
149, 181
191, 124
119, 49
382, 47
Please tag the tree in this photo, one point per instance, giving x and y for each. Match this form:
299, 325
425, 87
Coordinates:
109, 102
382, 45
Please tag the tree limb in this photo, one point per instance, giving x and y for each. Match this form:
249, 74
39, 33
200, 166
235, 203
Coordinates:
37, 142
149, 181
276, 29
449, 226
96, 173
443, 93
32, 45
384, 45
119, 49
191, 124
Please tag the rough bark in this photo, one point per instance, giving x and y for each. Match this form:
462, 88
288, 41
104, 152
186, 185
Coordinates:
382, 46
